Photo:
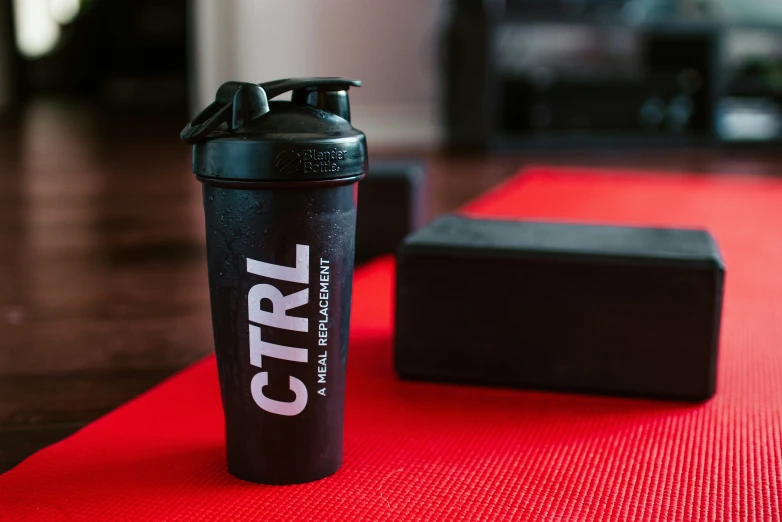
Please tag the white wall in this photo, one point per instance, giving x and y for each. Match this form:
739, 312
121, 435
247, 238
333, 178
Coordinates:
389, 44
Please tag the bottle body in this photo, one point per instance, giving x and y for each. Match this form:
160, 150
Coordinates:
280, 191
280, 260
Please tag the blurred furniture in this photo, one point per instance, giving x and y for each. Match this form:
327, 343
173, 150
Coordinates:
524, 73
121, 53
8, 58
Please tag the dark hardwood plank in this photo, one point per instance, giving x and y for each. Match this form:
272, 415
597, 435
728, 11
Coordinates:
37, 410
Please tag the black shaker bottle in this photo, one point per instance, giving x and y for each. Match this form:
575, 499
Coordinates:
279, 189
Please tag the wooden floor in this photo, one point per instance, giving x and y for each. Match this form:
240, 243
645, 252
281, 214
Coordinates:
103, 287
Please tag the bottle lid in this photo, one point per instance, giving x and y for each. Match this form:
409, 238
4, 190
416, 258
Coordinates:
244, 137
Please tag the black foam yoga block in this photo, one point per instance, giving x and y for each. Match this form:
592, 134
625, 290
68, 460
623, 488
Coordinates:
599, 309
389, 207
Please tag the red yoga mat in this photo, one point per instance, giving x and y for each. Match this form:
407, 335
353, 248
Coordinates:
417, 451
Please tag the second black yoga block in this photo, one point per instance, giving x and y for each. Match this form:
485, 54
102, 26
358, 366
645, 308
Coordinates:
615, 310
390, 207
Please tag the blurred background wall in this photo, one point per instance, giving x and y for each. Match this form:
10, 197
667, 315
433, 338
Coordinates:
393, 46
